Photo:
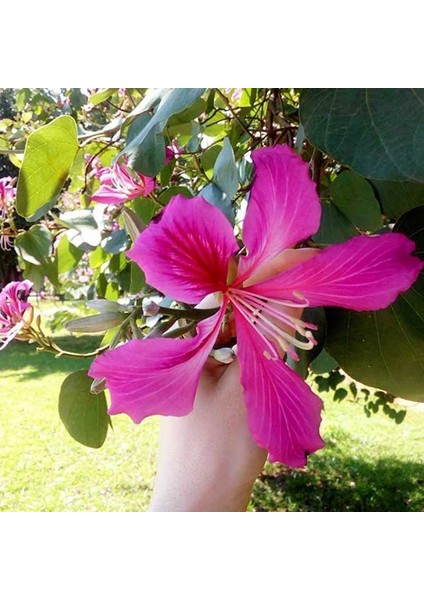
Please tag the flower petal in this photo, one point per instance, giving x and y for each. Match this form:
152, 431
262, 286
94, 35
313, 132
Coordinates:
157, 376
284, 415
107, 194
364, 273
185, 253
283, 206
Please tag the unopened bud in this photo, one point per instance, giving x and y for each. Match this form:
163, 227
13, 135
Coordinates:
95, 323
150, 309
133, 224
28, 316
98, 385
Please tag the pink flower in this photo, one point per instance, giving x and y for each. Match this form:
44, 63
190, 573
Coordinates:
189, 253
118, 184
7, 195
169, 155
5, 243
13, 306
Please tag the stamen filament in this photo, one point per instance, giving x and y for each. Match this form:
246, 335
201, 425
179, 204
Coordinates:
242, 292
281, 333
273, 353
294, 322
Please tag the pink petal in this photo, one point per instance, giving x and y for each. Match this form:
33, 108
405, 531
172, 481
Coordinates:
110, 195
364, 273
283, 207
185, 253
157, 376
284, 415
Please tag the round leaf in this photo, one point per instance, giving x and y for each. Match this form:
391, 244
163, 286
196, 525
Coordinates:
397, 198
377, 132
34, 245
83, 414
334, 227
49, 154
385, 349
354, 197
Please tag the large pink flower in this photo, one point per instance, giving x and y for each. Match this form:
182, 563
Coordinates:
13, 306
189, 253
118, 184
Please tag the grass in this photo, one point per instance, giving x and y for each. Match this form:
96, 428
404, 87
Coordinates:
41, 467
369, 464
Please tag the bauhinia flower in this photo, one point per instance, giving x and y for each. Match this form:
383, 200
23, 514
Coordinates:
7, 195
15, 311
7, 198
119, 184
190, 252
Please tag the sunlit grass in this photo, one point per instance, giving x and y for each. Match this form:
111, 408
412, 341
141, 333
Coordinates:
368, 464
41, 467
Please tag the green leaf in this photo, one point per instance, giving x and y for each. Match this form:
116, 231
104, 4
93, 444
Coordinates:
144, 208
112, 291
83, 414
81, 219
149, 157
334, 227
34, 245
116, 242
84, 232
101, 96
385, 349
379, 133
209, 157
22, 97
354, 197
97, 257
323, 363
34, 273
166, 195
67, 256
138, 280
398, 197
225, 173
49, 154
172, 101
215, 196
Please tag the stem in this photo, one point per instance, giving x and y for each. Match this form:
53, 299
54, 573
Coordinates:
195, 314
316, 164
233, 112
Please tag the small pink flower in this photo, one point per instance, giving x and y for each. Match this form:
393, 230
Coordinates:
169, 155
13, 306
118, 184
5, 243
7, 195
190, 252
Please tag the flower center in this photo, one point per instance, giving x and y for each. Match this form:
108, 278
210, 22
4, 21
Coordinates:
274, 322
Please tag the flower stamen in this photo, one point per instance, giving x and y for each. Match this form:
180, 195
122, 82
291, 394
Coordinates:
271, 322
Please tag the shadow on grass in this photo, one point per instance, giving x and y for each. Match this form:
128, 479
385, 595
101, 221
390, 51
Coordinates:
23, 358
335, 482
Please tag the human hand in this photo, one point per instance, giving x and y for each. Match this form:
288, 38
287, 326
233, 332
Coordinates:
208, 460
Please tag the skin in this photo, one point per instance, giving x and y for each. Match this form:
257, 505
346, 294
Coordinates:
208, 460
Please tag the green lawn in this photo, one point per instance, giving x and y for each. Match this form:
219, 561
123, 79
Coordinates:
369, 464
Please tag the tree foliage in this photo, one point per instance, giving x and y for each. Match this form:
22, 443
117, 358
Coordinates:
365, 151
